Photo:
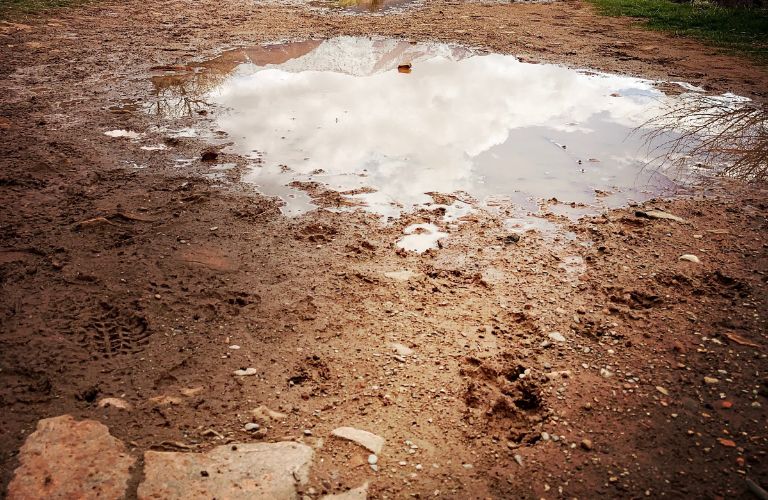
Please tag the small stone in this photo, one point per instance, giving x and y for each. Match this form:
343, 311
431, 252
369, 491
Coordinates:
586, 444
400, 275
690, 258
191, 391
545, 436
359, 493
164, 400
234, 347
307, 432
468, 466
366, 439
557, 337
658, 214
605, 373
209, 155
710, 380
662, 390
264, 414
117, 403
251, 426
246, 372
401, 349
519, 460
728, 443
399, 359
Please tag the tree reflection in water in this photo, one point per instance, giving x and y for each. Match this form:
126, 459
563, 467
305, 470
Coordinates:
726, 134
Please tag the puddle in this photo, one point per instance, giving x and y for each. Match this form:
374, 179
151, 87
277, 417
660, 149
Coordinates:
494, 132
420, 237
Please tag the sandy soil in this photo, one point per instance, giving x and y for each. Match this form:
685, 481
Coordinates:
115, 282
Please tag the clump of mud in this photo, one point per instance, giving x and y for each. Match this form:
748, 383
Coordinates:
505, 397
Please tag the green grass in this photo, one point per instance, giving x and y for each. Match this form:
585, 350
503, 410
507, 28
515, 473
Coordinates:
16, 8
738, 30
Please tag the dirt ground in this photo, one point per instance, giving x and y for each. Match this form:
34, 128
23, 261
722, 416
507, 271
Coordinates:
134, 283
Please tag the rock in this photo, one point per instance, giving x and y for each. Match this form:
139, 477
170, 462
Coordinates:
191, 391
690, 258
399, 359
511, 239
64, 458
118, 403
251, 426
605, 373
164, 400
264, 414
586, 444
519, 460
241, 471
401, 349
359, 493
373, 459
710, 380
400, 275
658, 214
557, 337
209, 155
662, 390
246, 372
366, 439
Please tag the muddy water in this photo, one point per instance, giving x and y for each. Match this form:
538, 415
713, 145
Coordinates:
487, 129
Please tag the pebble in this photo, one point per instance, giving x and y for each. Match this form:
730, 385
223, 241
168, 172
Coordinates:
606, 373
545, 436
519, 459
250, 426
399, 359
401, 349
662, 390
710, 380
246, 373
373, 459
586, 444
690, 258
557, 337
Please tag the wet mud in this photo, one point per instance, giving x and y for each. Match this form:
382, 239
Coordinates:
535, 352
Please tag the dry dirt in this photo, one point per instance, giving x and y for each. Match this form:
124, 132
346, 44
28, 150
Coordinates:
114, 283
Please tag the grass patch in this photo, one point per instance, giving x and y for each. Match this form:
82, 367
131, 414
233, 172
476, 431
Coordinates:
738, 30
13, 8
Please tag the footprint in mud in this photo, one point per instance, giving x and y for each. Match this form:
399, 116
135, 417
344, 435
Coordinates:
108, 331
504, 396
